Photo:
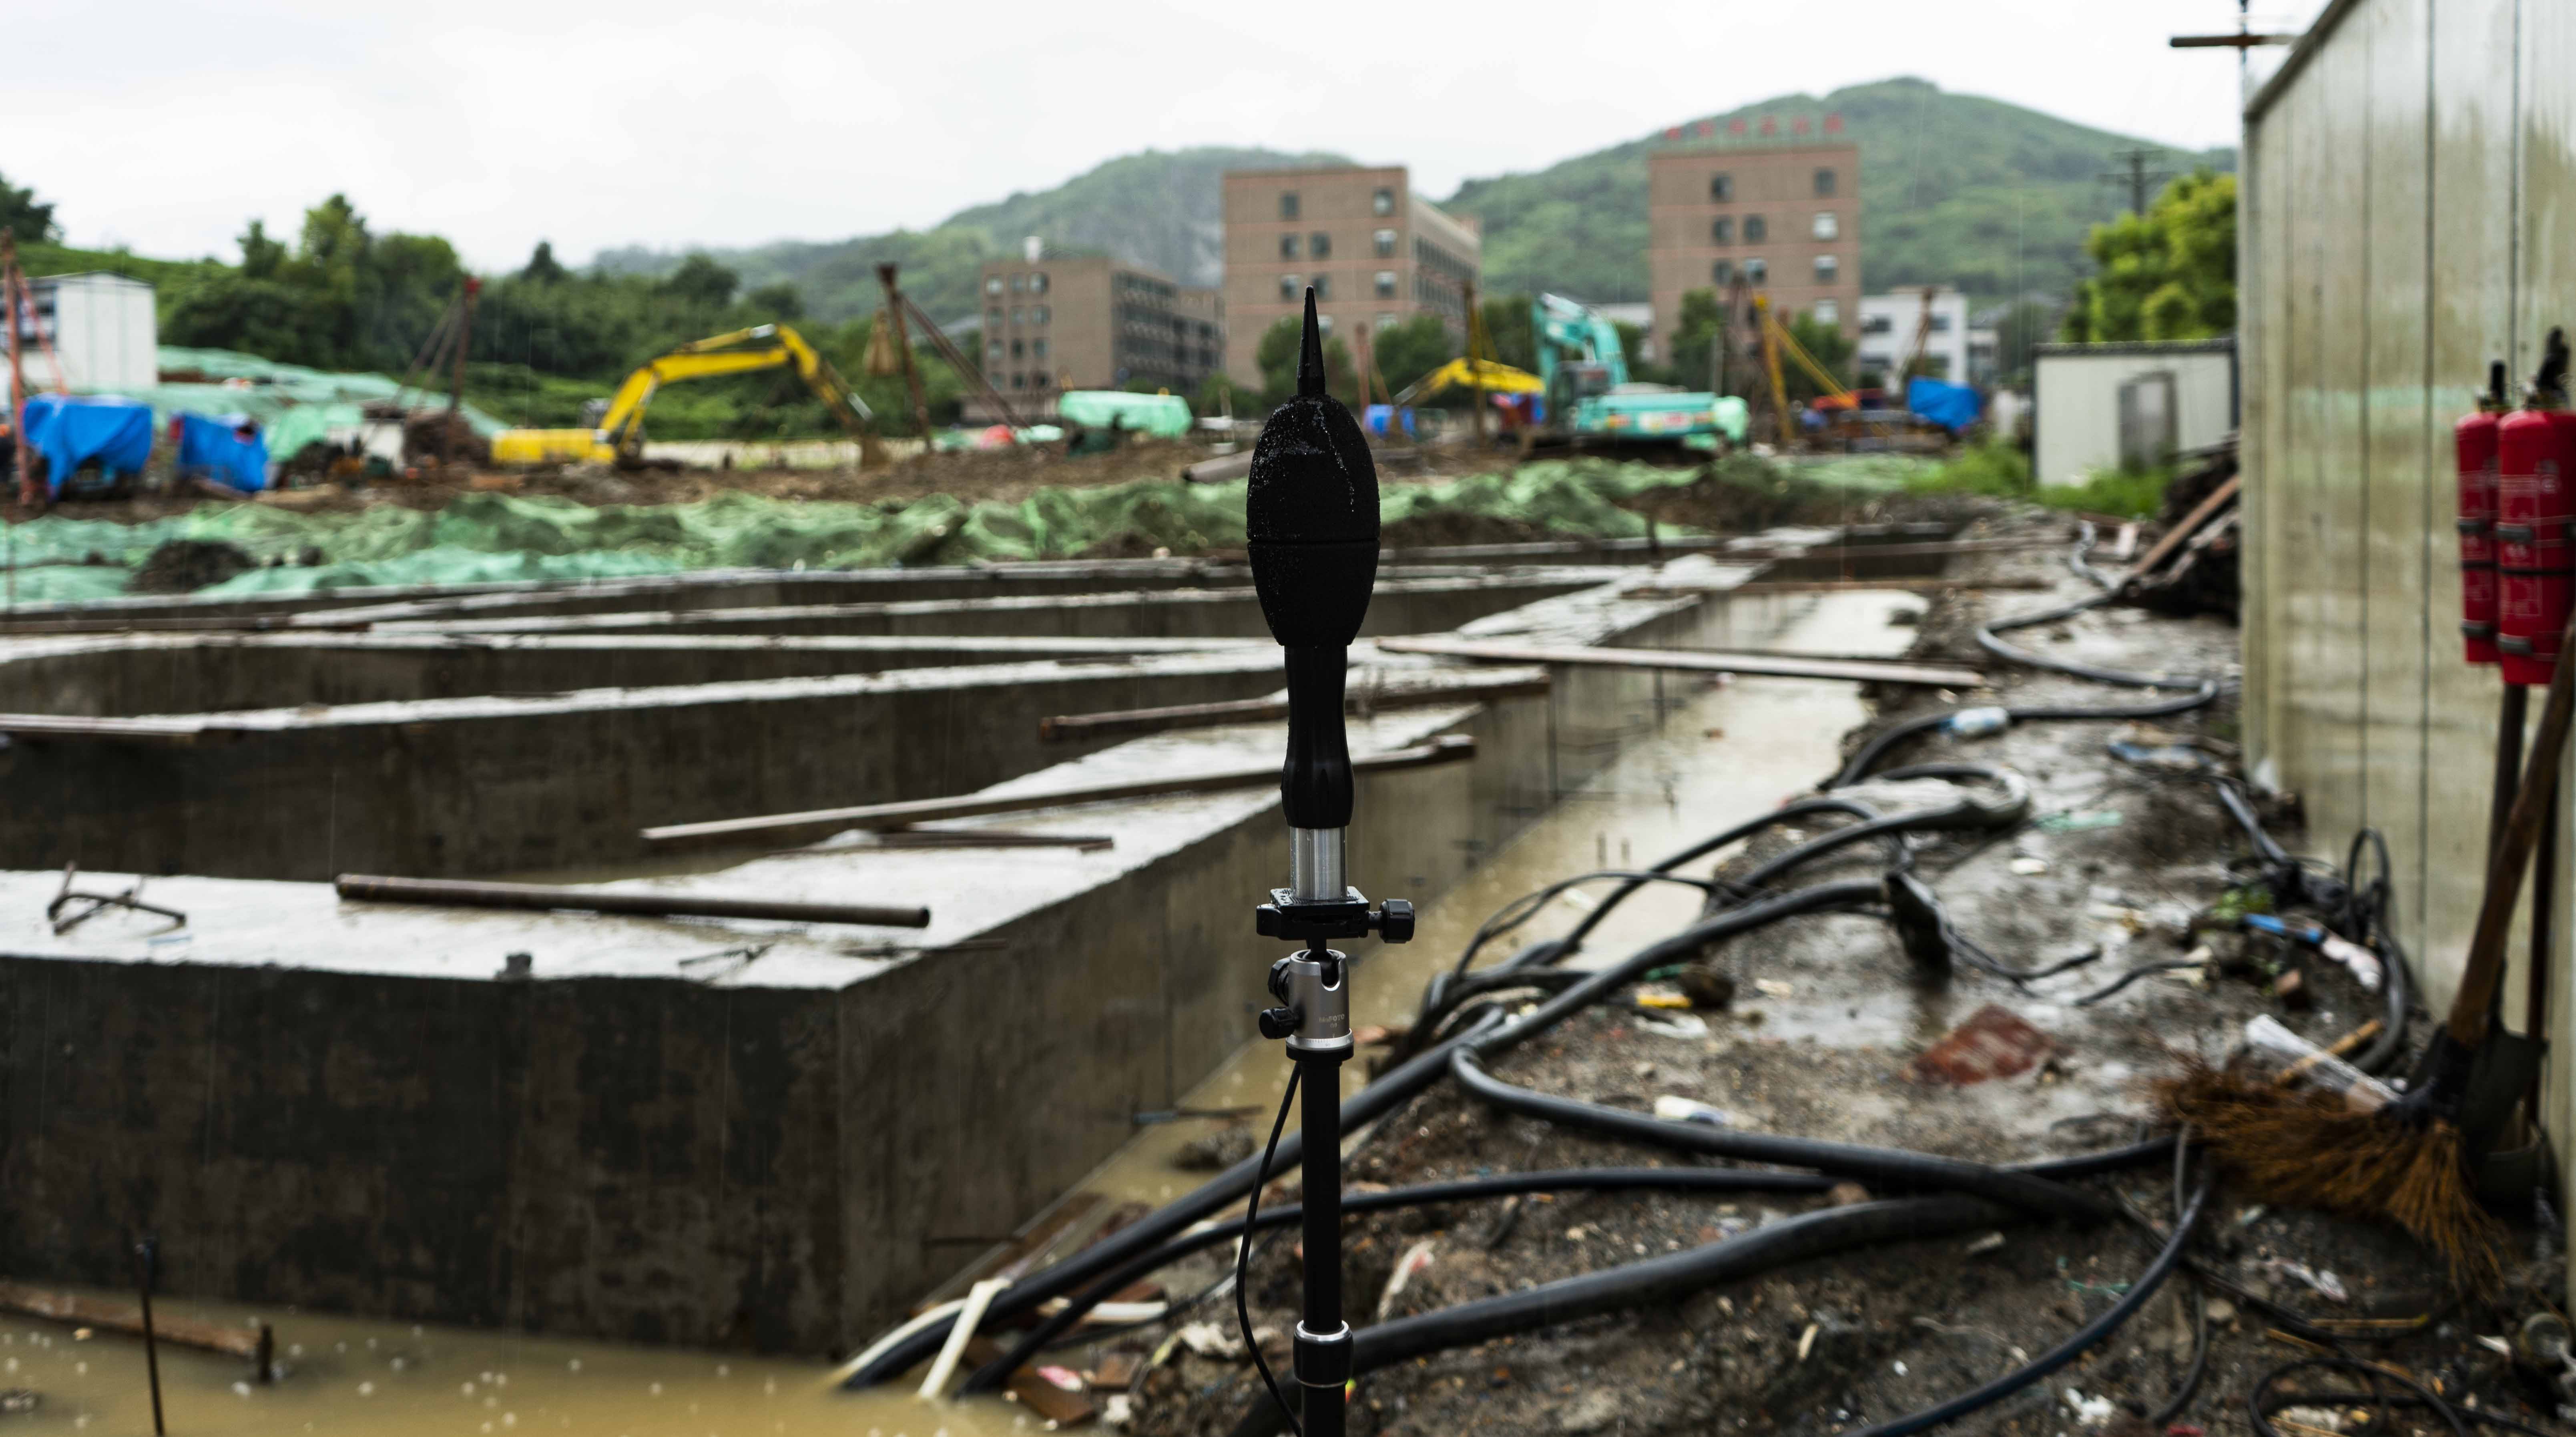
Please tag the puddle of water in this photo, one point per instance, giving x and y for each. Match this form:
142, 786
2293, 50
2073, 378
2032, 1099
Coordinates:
1722, 755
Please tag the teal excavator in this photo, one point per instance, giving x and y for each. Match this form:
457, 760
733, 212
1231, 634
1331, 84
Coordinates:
1591, 401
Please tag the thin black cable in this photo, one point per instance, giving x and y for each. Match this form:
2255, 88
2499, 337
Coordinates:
2198, 1369
1243, 1256
2456, 1418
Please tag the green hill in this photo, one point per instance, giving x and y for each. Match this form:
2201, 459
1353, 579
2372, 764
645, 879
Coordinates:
1158, 208
1955, 189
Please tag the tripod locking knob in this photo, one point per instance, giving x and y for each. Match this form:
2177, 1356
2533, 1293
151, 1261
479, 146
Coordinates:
1280, 1022
1394, 921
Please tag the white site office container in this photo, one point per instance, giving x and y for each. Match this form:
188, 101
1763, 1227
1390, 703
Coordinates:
2099, 405
101, 330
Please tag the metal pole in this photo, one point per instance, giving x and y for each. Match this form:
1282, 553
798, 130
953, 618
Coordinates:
903, 346
1476, 356
464, 343
1319, 1085
147, 1257
12, 287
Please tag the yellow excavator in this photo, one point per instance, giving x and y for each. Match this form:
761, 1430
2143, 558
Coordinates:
619, 439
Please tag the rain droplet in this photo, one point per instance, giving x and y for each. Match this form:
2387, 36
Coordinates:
295, 1349
366, 1389
81, 1367
465, 1389
398, 1364
655, 1389
723, 1371
573, 1366
509, 1419
500, 1379
415, 1329
241, 1389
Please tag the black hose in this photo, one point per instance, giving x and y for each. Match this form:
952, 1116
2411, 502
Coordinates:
2259, 1405
1398, 1085
2082, 1341
1726, 1180
2030, 1187
1661, 1279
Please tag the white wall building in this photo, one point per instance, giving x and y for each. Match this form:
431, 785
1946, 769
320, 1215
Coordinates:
1890, 324
2100, 406
101, 329
1640, 314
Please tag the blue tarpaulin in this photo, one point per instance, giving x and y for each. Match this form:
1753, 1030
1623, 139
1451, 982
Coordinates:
1952, 406
214, 449
71, 430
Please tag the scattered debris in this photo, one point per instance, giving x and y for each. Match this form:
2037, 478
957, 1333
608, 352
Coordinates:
2324, 1284
181, 566
1673, 1108
1993, 1043
1218, 1150
1415, 1259
1707, 986
2089, 820
1846, 1195
2029, 867
1208, 1339
1776, 987
17, 1401
1684, 1025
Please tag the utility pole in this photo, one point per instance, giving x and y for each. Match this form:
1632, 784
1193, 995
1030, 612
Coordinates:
1475, 354
11, 288
2136, 176
903, 346
456, 395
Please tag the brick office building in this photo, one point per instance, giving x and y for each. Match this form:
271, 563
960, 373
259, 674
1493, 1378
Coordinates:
1092, 322
1376, 253
1783, 218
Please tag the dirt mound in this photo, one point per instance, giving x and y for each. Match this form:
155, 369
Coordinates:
183, 566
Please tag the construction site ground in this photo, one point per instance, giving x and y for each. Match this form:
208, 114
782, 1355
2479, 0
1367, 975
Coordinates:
1818, 1043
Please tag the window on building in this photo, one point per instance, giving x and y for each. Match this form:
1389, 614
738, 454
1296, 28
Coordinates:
1323, 324
1876, 324
1019, 379
1319, 245
1722, 272
1721, 187
992, 284
1385, 242
1722, 230
1389, 321
1038, 282
1037, 349
1940, 323
1382, 202
1288, 246
1828, 269
1828, 225
1756, 271
1040, 314
1323, 286
1288, 204
1019, 284
993, 317
993, 352
1386, 284
1289, 284
1756, 229
1826, 311
1824, 183
1019, 349
1016, 312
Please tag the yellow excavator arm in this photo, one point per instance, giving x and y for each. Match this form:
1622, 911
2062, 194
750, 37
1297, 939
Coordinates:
619, 439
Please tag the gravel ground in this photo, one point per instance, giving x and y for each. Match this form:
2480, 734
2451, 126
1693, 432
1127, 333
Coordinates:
1818, 1043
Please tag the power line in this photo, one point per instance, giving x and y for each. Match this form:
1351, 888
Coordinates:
2136, 176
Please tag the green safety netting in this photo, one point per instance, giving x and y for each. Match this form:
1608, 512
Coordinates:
295, 406
482, 537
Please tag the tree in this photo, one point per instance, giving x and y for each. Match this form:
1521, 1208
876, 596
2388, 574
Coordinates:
543, 267
780, 301
21, 215
262, 257
700, 280
1277, 356
1701, 323
1825, 344
1507, 330
2167, 274
1632, 344
1407, 350
2018, 335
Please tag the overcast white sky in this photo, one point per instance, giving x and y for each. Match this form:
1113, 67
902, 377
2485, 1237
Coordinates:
500, 122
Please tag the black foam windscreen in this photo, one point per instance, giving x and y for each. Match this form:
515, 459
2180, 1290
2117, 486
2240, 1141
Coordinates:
1310, 512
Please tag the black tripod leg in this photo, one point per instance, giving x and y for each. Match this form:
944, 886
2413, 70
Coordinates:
1323, 1360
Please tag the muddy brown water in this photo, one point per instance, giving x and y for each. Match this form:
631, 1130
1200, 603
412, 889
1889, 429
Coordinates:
1720, 754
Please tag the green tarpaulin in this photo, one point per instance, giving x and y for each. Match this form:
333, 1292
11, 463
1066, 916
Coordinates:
499, 536
295, 406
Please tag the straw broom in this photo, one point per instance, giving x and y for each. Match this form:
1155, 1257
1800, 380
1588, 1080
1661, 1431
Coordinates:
2404, 1161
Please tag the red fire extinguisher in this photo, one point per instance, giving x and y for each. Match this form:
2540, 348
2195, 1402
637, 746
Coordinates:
2535, 464
2474, 437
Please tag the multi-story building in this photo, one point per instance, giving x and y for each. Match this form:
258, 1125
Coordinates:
1376, 253
1092, 322
1784, 219
1894, 325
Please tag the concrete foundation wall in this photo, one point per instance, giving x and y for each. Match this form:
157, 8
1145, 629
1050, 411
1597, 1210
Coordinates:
502, 785
660, 1160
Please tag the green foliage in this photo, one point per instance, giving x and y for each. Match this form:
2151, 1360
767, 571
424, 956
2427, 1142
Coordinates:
1276, 354
1955, 189
1632, 343
2167, 274
1217, 395
543, 267
2000, 470
700, 280
1406, 351
1827, 345
2018, 335
1508, 331
1701, 321
21, 214
780, 301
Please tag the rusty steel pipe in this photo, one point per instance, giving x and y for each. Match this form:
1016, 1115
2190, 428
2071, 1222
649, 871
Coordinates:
458, 893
